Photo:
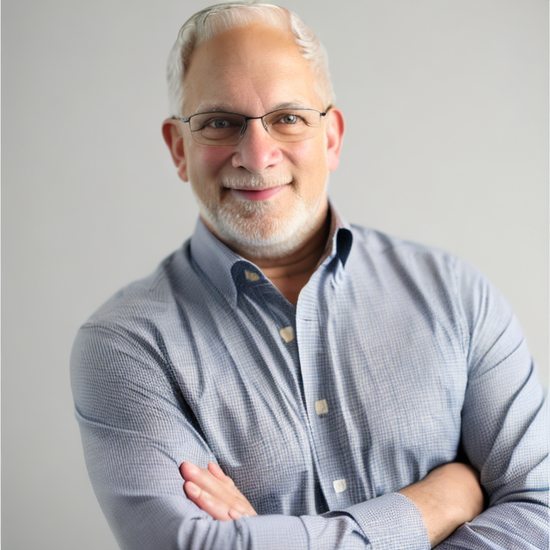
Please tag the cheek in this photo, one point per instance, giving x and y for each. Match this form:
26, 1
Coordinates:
310, 154
205, 160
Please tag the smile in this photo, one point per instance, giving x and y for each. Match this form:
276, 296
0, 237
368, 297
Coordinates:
256, 194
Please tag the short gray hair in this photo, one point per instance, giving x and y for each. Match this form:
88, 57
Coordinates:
208, 22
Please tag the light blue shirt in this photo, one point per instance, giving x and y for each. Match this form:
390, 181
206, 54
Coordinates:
396, 359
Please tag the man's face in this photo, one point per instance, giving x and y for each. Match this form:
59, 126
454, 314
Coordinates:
261, 196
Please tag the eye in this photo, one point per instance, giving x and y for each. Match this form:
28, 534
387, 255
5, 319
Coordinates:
289, 119
289, 123
218, 124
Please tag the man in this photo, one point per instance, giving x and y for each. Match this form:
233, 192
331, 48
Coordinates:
328, 378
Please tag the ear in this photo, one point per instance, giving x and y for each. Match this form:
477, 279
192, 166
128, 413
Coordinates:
174, 140
335, 134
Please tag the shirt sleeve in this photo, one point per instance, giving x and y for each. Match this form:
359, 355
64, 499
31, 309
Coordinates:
136, 431
504, 427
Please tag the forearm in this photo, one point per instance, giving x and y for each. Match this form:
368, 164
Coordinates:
366, 526
446, 498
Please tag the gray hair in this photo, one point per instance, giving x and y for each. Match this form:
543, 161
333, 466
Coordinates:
208, 22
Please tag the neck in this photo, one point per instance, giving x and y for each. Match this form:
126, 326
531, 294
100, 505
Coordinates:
291, 273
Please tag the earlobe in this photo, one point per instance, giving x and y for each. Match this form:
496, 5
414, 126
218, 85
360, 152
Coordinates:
335, 135
174, 141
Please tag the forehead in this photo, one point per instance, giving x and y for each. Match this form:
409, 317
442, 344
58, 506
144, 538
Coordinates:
250, 69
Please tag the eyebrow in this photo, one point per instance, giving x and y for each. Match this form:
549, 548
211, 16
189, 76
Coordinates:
213, 107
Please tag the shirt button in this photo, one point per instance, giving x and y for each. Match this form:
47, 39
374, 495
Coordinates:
287, 334
251, 275
339, 485
321, 407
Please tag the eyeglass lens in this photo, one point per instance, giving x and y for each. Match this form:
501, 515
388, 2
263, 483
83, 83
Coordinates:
220, 128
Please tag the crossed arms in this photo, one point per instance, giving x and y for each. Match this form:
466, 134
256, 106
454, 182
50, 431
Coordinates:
447, 497
138, 428
133, 453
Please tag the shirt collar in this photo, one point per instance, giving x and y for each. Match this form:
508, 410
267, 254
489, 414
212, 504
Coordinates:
339, 239
211, 258
220, 265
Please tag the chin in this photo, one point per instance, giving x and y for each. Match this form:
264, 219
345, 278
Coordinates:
260, 229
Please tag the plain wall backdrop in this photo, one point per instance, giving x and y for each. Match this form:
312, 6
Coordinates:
446, 104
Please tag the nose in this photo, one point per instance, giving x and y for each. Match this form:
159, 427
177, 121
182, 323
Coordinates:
257, 151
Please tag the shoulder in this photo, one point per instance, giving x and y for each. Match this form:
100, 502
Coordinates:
137, 301
438, 280
124, 339
141, 312
428, 272
414, 259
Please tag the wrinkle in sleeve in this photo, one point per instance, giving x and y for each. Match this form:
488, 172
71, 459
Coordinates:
504, 426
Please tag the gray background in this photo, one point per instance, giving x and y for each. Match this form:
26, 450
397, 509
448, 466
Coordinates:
446, 144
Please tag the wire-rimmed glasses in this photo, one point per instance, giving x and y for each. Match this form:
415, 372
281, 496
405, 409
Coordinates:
223, 128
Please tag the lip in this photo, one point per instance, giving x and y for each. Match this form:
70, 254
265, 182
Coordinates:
257, 194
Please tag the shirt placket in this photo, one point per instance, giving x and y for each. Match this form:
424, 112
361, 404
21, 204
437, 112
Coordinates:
283, 316
323, 407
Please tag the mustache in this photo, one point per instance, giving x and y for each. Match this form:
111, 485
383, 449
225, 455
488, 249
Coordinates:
253, 181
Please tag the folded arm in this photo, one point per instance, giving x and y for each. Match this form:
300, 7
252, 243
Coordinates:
137, 430
447, 497
504, 427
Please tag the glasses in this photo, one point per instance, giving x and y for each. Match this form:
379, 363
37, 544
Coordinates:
221, 128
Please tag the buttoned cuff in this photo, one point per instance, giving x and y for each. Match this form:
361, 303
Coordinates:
391, 521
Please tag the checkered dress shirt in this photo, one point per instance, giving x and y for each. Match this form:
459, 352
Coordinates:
397, 358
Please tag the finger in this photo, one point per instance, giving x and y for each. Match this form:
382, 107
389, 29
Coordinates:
224, 491
233, 514
188, 470
202, 477
242, 506
218, 473
206, 502
213, 485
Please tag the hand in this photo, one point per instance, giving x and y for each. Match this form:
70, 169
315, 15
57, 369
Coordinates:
214, 492
447, 497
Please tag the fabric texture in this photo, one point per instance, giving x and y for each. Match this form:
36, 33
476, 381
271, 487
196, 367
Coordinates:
396, 359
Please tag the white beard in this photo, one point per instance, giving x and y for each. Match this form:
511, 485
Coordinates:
261, 228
